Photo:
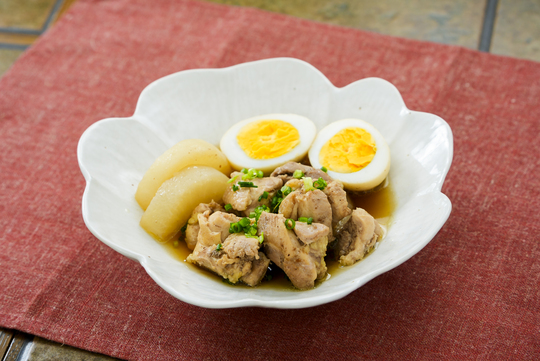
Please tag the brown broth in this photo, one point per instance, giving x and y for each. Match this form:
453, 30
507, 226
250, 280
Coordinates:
380, 204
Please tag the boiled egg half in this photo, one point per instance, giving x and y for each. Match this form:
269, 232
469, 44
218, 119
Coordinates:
266, 142
353, 152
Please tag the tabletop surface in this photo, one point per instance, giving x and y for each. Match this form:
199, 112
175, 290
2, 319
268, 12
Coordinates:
459, 23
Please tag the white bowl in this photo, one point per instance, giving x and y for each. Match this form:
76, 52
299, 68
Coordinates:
114, 154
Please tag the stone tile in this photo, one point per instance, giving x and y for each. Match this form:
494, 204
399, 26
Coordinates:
7, 58
27, 14
20, 39
517, 29
44, 350
457, 22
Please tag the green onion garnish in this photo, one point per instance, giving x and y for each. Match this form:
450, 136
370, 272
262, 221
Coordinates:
260, 174
235, 187
183, 229
298, 174
219, 247
244, 222
320, 184
252, 173
244, 170
235, 228
286, 190
290, 223
232, 179
228, 207
258, 211
306, 220
252, 231
261, 237
324, 169
308, 184
247, 185
263, 196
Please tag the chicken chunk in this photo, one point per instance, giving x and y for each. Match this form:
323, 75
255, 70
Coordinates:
313, 204
235, 257
246, 199
302, 263
337, 197
286, 172
358, 236
192, 229
309, 233
338, 201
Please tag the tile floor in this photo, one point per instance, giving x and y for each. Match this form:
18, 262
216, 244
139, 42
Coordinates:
512, 28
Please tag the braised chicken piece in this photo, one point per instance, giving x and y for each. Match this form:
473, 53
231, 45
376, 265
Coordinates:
339, 203
192, 229
301, 203
358, 236
246, 199
235, 257
302, 262
286, 172
337, 197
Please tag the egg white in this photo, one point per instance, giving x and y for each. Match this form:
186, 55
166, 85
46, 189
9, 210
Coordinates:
239, 159
366, 178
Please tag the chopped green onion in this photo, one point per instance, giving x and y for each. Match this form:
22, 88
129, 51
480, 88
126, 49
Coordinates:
235, 187
261, 237
235, 228
324, 169
320, 183
252, 215
252, 231
308, 184
290, 223
219, 247
250, 174
244, 222
247, 185
253, 173
228, 207
276, 201
306, 220
263, 196
298, 174
258, 211
183, 229
286, 190
232, 179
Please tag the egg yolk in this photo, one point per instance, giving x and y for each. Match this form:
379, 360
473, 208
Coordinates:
267, 139
348, 151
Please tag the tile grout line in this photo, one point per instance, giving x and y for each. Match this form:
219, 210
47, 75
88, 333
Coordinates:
52, 14
488, 25
22, 31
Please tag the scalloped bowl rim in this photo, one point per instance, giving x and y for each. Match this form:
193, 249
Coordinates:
306, 298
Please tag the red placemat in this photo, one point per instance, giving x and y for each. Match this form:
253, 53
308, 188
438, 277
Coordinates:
472, 293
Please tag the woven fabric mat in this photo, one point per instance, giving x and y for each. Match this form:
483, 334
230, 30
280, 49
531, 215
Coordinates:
472, 293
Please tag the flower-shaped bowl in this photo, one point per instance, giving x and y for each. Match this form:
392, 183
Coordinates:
115, 153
